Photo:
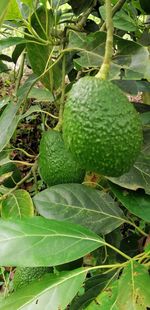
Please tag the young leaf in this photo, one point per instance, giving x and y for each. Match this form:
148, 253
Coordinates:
136, 202
79, 204
40, 242
17, 205
50, 292
39, 54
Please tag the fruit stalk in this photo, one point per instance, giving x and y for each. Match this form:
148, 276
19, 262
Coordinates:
104, 70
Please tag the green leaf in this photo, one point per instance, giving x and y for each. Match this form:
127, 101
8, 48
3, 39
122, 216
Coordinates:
25, 89
145, 118
131, 57
135, 278
121, 20
131, 291
93, 286
39, 54
79, 6
106, 300
17, 205
13, 11
4, 157
33, 109
11, 41
41, 242
50, 292
3, 67
137, 177
80, 204
4, 101
139, 174
4, 5
8, 123
136, 202
28, 2
41, 94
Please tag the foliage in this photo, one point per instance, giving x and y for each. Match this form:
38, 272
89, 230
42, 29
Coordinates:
93, 237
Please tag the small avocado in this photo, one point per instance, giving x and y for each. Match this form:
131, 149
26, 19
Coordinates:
25, 275
56, 164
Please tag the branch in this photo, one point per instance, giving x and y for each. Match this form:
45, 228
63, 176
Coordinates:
104, 70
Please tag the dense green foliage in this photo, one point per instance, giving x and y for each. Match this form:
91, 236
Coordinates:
75, 127
101, 128
56, 164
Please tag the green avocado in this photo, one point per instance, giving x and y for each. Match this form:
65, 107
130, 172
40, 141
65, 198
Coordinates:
101, 128
25, 275
56, 165
11, 181
145, 5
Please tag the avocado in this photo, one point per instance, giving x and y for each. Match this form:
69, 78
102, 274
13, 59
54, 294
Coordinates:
101, 128
56, 164
145, 5
25, 275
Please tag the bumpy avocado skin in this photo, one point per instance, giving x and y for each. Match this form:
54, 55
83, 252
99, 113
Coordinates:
101, 127
145, 5
25, 275
56, 164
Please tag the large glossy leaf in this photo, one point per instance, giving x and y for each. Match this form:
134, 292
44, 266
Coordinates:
40, 242
8, 123
131, 291
17, 205
50, 292
132, 57
80, 204
137, 203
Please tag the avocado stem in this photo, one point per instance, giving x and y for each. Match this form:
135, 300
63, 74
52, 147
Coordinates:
105, 67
